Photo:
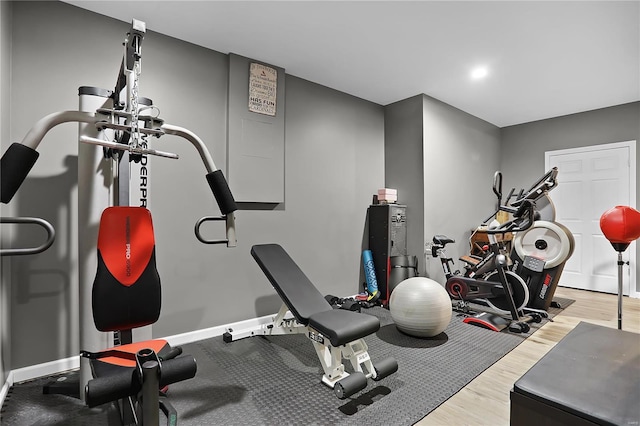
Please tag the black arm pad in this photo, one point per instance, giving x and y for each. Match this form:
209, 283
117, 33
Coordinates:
15, 165
221, 191
126, 383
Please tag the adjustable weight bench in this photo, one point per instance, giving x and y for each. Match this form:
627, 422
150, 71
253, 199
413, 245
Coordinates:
335, 333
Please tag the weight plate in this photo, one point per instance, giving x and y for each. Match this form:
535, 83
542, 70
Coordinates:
545, 208
545, 240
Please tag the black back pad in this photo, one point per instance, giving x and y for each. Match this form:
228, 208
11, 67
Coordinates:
296, 290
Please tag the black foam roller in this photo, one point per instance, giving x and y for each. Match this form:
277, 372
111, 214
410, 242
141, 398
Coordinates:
221, 191
112, 387
15, 165
126, 383
351, 384
385, 368
178, 369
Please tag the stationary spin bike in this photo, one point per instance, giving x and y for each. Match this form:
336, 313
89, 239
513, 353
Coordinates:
502, 290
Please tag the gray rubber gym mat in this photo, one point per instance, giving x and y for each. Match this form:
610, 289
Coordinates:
276, 381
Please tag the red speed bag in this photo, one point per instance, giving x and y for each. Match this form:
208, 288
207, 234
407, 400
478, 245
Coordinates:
621, 224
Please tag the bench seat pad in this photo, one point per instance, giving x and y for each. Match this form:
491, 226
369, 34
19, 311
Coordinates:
342, 326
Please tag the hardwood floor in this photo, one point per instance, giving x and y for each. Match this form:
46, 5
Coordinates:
485, 401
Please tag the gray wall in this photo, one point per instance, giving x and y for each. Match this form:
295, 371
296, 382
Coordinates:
334, 162
442, 162
53, 53
5, 119
461, 155
523, 146
404, 167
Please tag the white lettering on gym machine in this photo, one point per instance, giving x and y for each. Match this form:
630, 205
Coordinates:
127, 245
143, 176
316, 337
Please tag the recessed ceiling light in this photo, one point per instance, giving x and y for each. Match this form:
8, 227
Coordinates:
479, 73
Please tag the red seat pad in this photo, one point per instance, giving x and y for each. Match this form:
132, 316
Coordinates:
109, 365
621, 224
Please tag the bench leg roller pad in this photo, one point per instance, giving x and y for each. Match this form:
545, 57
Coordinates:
349, 385
384, 368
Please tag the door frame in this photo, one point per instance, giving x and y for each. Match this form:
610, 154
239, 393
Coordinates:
631, 144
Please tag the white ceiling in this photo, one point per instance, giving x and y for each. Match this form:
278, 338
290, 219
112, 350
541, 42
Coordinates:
545, 58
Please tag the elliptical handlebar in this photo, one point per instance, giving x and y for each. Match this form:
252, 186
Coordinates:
545, 184
497, 186
524, 217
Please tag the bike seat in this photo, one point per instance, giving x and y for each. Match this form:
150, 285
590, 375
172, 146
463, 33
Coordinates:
442, 240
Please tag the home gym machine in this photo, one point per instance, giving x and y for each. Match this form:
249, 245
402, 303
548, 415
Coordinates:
118, 120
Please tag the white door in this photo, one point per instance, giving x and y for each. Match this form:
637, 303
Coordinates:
591, 180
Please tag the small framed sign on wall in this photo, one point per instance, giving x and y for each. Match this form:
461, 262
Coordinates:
263, 86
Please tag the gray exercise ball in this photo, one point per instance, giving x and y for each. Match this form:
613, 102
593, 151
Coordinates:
420, 307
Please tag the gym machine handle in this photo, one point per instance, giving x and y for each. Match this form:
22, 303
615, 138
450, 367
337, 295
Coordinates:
127, 383
497, 186
51, 236
524, 218
15, 165
217, 183
545, 184
227, 205
17, 161
221, 191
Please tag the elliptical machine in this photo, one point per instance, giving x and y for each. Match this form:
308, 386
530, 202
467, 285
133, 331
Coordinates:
540, 253
502, 290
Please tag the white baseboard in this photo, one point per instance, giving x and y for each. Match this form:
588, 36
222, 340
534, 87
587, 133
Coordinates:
45, 369
5, 388
207, 333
